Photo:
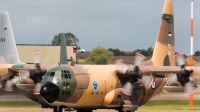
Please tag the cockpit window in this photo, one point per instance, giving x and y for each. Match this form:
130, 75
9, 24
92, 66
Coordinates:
52, 73
66, 74
48, 73
69, 75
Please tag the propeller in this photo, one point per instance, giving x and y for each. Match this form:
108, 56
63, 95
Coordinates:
135, 78
189, 83
14, 78
37, 74
9, 85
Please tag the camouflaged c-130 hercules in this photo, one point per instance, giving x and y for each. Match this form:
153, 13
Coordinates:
88, 87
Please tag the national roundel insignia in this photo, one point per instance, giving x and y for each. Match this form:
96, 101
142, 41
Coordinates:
153, 85
95, 85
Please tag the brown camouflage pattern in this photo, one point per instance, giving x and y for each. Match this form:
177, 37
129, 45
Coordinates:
109, 82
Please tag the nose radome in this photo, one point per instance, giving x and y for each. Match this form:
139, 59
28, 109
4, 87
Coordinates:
49, 92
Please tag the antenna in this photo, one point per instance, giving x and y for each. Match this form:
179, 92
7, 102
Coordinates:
191, 52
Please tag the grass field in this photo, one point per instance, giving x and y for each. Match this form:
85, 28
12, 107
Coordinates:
151, 105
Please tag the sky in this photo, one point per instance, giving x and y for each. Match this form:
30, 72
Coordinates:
124, 24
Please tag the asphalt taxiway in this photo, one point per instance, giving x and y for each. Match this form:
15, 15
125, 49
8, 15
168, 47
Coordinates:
50, 110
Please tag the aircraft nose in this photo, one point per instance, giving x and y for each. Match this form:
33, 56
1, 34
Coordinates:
49, 92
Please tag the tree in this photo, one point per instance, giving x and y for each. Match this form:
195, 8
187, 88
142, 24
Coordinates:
70, 40
98, 55
197, 53
117, 52
148, 52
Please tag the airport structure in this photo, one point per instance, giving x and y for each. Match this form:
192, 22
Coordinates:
49, 53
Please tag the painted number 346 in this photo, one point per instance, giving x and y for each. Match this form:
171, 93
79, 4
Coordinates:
65, 93
2, 39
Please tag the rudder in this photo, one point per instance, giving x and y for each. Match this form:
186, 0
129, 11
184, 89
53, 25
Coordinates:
164, 49
8, 50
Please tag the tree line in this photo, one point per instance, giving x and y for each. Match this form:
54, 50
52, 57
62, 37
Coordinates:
100, 55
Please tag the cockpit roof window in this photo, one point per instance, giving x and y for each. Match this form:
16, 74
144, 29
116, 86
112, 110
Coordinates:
66, 74
52, 73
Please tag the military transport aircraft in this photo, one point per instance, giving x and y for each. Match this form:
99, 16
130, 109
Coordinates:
121, 87
88, 87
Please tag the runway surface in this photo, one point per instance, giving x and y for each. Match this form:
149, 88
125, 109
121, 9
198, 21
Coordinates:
17, 96
50, 110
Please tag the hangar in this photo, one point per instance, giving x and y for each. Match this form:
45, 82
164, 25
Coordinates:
49, 53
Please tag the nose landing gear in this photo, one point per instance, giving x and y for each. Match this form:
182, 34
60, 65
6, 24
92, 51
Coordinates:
59, 109
83, 110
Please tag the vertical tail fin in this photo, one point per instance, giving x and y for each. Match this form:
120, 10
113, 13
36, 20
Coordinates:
63, 52
164, 49
8, 50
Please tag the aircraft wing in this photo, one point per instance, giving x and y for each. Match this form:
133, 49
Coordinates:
159, 71
17, 69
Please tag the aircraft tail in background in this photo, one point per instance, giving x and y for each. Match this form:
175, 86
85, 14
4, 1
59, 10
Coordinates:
63, 52
8, 50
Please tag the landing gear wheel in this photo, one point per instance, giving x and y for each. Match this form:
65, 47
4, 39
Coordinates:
55, 109
61, 109
120, 109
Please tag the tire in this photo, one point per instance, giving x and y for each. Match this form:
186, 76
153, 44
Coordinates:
61, 109
79, 110
55, 109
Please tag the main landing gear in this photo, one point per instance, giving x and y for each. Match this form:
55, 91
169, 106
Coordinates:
59, 109
121, 110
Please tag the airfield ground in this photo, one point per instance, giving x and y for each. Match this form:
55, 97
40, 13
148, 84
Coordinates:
163, 102
50, 110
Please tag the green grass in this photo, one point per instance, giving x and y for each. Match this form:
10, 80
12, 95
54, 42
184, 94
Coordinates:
151, 105
170, 105
20, 104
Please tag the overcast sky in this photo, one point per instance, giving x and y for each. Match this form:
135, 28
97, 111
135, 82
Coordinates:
123, 24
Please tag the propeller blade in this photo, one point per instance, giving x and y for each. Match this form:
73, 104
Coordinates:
9, 85
46, 60
37, 89
121, 68
180, 59
127, 89
147, 80
139, 58
24, 74
1, 85
36, 57
190, 88
170, 78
